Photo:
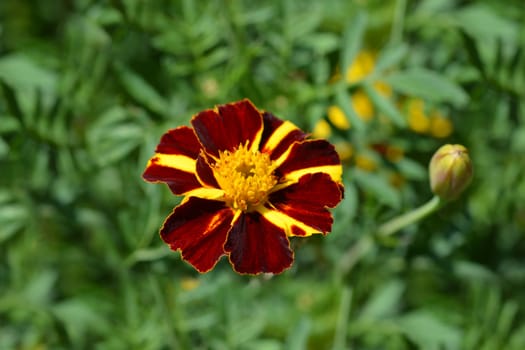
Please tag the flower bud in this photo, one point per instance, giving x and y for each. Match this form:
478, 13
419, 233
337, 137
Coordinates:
450, 171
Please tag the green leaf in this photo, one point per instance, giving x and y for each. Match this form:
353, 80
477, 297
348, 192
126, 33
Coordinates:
385, 301
140, 90
321, 43
352, 38
148, 254
342, 321
298, 336
428, 332
411, 169
390, 57
343, 100
79, 318
300, 24
507, 317
12, 102
472, 271
21, 72
4, 149
113, 136
385, 106
40, 288
214, 58
473, 52
427, 84
13, 217
377, 186
348, 207
484, 23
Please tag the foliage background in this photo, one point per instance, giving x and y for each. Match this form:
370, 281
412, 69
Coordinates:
88, 87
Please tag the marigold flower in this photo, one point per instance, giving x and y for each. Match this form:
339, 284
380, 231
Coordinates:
250, 181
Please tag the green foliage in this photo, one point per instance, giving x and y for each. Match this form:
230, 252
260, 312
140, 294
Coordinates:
87, 87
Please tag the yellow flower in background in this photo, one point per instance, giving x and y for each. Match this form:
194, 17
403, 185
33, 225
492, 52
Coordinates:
362, 106
338, 118
396, 179
394, 153
365, 162
435, 124
383, 88
344, 149
322, 130
361, 67
440, 127
418, 121
189, 283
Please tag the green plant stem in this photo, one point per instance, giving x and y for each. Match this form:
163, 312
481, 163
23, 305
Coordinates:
366, 243
411, 217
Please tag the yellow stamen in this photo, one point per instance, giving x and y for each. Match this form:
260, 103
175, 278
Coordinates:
245, 176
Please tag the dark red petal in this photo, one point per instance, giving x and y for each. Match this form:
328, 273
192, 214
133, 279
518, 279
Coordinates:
181, 140
205, 172
198, 228
307, 201
309, 154
228, 127
256, 245
181, 144
178, 181
271, 124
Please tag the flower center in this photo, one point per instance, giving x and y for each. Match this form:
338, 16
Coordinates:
245, 176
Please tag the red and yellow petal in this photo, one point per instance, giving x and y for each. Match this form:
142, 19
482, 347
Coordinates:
181, 140
205, 172
308, 157
301, 208
228, 126
278, 136
199, 229
256, 245
174, 161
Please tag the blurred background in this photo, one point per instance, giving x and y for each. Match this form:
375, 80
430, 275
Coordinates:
88, 87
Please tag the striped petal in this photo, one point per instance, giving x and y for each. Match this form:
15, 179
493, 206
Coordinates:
205, 172
181, 140
198, 228
256, 245
228, 126
278, 136
307, 157
174, 161
301, 208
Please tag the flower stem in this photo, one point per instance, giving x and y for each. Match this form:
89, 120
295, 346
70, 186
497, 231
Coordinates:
411, 217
